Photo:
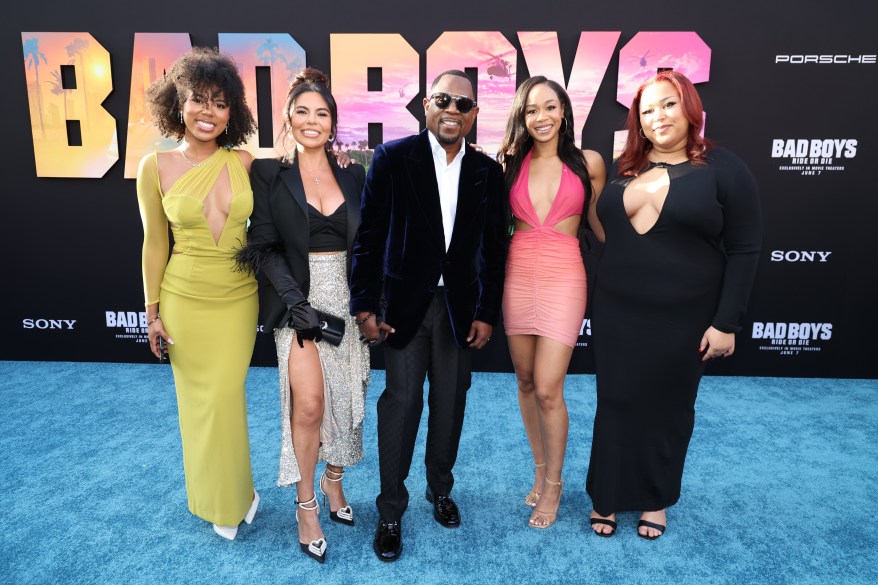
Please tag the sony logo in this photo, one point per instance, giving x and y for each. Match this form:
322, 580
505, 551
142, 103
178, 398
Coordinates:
825, 59
799, 256
48, 323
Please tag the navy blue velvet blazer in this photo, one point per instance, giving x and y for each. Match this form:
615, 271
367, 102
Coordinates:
399, 251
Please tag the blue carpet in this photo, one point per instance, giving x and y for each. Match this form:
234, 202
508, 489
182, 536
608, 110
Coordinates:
780, 487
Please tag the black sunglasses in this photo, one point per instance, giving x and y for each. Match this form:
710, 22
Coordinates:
443, 100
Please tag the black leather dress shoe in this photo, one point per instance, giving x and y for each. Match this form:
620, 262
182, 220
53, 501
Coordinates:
444, 509
388, 541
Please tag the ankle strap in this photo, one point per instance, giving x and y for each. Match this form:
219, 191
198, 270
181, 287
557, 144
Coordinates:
309, 505
543, 464
338, 474
559, 482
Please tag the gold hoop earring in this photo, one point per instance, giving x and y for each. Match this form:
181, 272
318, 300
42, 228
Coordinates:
566, 126
285, 137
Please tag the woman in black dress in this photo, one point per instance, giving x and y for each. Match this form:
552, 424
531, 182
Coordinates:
683, 233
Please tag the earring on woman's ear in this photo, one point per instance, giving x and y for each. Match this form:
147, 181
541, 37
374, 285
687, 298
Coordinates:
181, 117
566, 126
642, 135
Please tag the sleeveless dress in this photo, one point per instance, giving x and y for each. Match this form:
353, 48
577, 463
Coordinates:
656, 293
210, 311
545, 290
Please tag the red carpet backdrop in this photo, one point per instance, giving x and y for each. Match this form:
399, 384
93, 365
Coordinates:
786, 85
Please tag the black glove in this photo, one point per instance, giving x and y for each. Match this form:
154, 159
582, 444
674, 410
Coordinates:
302, 316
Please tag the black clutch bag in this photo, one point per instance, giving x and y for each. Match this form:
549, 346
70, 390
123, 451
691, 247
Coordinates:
331, 327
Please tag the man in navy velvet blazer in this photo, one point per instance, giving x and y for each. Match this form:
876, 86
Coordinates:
427, 272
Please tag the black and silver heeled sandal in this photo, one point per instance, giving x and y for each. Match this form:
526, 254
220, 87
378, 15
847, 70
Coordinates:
343, 515
316, 549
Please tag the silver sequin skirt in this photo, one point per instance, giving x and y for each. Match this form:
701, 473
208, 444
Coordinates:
345, 374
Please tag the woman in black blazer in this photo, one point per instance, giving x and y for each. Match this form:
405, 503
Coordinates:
306, 212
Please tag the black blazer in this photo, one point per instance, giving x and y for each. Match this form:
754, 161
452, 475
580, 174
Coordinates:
399, 251
279, 224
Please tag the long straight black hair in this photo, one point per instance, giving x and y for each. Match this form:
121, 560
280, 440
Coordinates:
517, 142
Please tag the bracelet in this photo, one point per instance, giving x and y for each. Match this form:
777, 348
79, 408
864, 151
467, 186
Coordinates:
153, 320
364, 319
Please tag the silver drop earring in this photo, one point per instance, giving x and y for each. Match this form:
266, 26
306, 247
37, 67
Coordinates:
181, 117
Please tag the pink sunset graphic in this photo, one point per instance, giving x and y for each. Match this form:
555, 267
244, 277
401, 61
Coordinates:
648, 52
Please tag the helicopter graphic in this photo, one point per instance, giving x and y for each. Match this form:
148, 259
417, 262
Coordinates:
641, 59
498, 66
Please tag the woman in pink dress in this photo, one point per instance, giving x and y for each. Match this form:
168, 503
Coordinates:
551, 186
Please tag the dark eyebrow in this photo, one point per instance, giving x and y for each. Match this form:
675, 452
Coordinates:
320, 109
662, 100
544, 103
215, 97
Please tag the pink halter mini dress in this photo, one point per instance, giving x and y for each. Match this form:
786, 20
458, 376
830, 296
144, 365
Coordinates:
545, 288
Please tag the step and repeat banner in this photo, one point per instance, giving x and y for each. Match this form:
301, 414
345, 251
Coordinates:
789, 87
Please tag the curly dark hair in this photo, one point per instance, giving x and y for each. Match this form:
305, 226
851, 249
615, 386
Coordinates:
202, 68
310, 79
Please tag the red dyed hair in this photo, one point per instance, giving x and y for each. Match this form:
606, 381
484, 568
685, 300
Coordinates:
633, 159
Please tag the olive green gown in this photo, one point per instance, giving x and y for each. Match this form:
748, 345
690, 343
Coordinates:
210, 312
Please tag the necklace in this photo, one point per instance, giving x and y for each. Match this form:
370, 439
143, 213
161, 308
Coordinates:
202, 163
313, 173
668, 159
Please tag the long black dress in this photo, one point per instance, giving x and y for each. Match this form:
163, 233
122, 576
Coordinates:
655, 295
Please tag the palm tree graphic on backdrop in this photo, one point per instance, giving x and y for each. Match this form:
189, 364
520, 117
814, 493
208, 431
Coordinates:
269, 52
58, 88
32, 56
77, 49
